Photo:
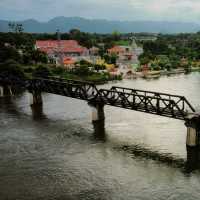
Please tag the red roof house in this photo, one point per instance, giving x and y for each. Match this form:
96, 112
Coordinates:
66, 47
116, 50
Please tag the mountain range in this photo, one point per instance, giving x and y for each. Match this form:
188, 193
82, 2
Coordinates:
64, 24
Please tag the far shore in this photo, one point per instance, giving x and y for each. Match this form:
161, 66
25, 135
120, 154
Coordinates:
159, 73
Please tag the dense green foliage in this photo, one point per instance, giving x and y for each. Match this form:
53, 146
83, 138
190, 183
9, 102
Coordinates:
41, 71
85, 39
11, 68
85, 71
8, 53
20, 47
172, 51
167, 52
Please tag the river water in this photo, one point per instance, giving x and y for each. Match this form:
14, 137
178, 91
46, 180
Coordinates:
54, 153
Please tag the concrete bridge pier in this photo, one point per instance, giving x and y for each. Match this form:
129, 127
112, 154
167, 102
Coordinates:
98, 120
36, 98
1, 91
99, 130
193, 158
37, 112
193, 130
5, 91
97, 112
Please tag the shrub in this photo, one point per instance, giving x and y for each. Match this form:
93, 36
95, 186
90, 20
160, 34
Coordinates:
11, 68
41, 71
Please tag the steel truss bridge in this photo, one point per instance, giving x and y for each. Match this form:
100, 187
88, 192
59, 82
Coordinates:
173, 106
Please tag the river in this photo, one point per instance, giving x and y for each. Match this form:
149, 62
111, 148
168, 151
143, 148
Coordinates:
54, 154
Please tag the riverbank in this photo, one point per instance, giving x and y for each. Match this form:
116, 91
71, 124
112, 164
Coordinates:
82, 73
159, 73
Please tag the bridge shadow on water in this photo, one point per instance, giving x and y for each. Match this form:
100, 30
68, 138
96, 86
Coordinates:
188, 165
8, 105
99, 133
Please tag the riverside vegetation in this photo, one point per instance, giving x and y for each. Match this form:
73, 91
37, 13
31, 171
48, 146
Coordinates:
17, 52
168, 52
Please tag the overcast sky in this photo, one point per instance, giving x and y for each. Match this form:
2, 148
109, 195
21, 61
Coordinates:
43, 10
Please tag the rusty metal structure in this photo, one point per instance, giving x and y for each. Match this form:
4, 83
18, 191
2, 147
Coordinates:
157, 103
173, 106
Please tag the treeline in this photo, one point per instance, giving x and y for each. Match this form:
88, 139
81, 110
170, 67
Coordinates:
18, 54
20, 48
85, 39
172, 51
83, 71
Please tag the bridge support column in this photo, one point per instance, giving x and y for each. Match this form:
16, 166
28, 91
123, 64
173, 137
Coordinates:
36, 98
37, 112
97, 112
5, 91
193, 158
98, 121
99, 130
1, 91
193, 130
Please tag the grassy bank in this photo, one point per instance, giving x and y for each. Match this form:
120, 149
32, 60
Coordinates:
80, 73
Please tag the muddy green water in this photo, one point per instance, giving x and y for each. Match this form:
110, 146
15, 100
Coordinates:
54, 153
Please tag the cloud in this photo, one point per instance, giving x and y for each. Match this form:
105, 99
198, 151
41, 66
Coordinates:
171, 10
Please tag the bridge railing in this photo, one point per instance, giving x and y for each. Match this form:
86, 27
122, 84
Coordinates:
180, 101
71, 88
12, 81
150, 104
174, 106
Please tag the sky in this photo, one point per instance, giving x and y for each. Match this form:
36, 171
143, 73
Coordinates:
155, 10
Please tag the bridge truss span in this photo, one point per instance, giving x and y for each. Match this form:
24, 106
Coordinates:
70, 88
167, 105
163, 104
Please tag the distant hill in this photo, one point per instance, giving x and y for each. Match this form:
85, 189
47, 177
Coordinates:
64, 24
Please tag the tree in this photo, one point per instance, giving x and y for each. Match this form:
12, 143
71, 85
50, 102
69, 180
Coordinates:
82, 70
99, 67
110, 59
42, 72
155, 66
175, 61
116, 35
39, 57
34, 56
9, 52
11, 68
11, 26
15, 27
164, 62
74, 31
144, 61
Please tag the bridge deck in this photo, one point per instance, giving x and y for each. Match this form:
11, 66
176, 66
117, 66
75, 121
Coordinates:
173, 106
